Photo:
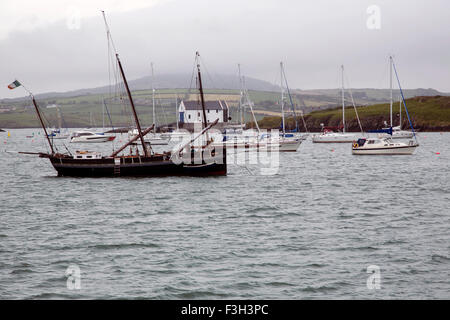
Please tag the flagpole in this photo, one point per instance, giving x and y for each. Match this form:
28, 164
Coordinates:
39, 115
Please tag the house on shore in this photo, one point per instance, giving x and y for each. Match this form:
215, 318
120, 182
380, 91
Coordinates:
190, 112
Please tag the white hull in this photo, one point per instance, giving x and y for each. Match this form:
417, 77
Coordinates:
289, 145
286, 145
385, 151
334, 138
99, 139
398, 135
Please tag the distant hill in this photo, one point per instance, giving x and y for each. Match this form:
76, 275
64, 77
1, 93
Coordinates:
427, 114
166, 81
315, 98
312, 100
84, 107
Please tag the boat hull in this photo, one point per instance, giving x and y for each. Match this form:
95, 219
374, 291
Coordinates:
152, 166
398, 135
333, 138
98, 139
289, 145
404, 150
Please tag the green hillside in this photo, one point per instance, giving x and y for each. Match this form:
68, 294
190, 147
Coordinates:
427, 114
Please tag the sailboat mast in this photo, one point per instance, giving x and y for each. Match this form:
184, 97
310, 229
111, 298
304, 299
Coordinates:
138, 125
200, 87
42, 123
250, 104
59, 118
240, 96
176, 110
400, 114
153, 97
136, 119
103, 116
282, 99
343, 101
390, 87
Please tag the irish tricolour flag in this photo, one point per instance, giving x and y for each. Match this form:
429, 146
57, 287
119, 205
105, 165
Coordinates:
14, 85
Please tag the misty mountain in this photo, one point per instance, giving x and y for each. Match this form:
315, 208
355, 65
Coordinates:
168, 81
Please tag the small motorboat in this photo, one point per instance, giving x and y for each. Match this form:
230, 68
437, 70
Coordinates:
86, 136
383, 146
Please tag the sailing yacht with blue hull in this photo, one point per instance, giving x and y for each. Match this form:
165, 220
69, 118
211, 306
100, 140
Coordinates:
386, 146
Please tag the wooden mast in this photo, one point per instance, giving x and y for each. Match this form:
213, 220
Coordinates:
201, 90
42, 123
138, 125
136, 119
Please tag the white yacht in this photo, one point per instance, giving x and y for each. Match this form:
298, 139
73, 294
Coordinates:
384, 146
86, 136
328, 135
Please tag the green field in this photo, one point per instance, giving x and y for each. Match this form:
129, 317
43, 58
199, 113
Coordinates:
427, 114
87, 110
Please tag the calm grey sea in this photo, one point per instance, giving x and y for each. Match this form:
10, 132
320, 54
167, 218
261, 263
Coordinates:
308, 232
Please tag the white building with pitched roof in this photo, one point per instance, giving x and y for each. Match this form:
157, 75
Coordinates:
190, 112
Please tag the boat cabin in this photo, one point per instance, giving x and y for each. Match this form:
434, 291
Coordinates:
374, 141
87, 155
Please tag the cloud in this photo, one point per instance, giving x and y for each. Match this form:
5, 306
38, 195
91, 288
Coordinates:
20, 15
312, 38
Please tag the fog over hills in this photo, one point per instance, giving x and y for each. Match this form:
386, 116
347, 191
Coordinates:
230, 81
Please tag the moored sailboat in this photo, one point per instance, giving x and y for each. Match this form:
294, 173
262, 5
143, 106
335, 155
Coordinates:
328, 135
385, 145
204, 161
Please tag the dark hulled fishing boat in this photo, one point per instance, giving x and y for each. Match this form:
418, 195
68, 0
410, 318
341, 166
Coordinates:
185, 160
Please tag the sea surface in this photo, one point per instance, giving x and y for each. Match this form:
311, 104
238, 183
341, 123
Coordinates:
313, 229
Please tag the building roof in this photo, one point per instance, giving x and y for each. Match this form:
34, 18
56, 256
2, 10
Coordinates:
209, 105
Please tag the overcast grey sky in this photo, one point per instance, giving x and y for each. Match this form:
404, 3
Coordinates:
60, 45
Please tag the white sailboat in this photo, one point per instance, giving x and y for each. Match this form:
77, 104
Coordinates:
152, 138
328, 135
59, 133
253, 139
385, 145
288, 141
245, 139
397, 132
